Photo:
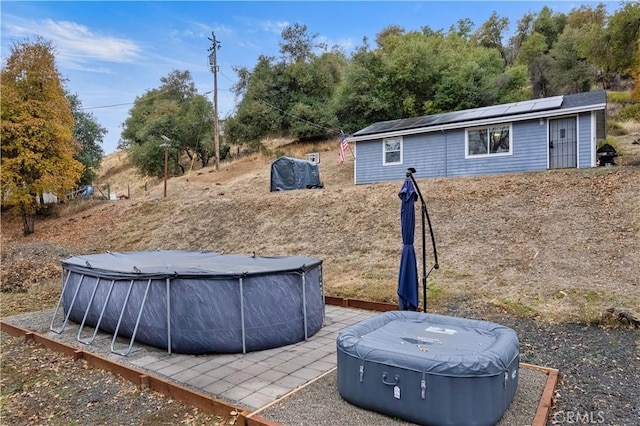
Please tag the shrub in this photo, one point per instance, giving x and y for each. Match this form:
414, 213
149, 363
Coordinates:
611, 141
615, 128
630, 112
618, 97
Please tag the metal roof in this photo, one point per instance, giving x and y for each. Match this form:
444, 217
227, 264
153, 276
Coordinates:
523, 108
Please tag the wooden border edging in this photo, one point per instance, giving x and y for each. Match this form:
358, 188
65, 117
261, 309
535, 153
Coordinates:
359, 304
141, 379
544, 407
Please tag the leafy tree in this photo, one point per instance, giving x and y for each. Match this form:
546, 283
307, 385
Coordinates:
463, 28
297, 44
550, 25
490, 33
360, 99
569, 71
635, 93
513, 84
265, 99
524, 28
532, 54
176, 111
624, 33
37, 139
88, 134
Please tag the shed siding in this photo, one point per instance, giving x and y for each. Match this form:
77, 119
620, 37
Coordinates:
426, 152
584, 140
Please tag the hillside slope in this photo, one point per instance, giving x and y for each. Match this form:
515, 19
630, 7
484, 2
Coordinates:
559, 245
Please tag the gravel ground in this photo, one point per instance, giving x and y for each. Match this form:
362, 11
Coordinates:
599, 374
320, 404
599, 367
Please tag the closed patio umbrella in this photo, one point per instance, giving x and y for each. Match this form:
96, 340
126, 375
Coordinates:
408, 275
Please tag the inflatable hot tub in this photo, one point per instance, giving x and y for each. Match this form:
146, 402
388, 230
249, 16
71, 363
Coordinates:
429, 369
195, 302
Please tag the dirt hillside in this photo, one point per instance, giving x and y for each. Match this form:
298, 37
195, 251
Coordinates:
558, 245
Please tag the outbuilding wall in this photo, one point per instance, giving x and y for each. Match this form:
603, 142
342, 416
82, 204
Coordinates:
442, 153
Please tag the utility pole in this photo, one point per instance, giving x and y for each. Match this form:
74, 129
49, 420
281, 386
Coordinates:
213, 63
166, 146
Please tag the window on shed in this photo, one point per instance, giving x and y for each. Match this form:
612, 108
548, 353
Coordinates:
392, 151
485, 141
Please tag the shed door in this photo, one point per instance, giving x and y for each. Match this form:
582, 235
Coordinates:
563, 146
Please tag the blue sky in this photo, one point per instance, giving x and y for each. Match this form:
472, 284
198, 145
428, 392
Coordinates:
111, 52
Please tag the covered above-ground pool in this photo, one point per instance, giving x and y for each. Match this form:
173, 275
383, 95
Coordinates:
194, 302
429, 369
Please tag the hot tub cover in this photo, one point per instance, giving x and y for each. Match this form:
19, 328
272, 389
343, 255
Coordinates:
159, 264
435, 344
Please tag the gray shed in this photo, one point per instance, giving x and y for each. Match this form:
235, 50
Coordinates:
292, 173
533, 135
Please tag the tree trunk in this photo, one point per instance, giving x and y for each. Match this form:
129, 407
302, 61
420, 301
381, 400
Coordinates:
28, 223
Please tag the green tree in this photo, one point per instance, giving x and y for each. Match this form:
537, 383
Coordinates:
524, 28
264, 98
569, 71
38, 147
533, 55
550, 25
176, 111
297, 44
490, 33
89, 136
624, 36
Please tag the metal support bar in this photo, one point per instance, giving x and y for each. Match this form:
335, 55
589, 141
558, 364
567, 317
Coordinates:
304, 305
244, 347
169, 315
324, 311
135, 328
55, 313
97, 326
86, 312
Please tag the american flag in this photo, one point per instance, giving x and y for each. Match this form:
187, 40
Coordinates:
343, 147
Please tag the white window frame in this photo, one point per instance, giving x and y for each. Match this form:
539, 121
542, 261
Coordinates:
488, 154
384, 151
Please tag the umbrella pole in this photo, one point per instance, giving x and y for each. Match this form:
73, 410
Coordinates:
425, 214
424, 260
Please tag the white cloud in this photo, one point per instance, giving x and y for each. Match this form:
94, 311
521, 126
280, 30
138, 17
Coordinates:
274, 27
76, 45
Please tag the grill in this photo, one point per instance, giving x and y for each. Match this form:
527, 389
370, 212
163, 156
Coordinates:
606, 155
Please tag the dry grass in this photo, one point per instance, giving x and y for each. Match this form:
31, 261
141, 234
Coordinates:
558, 245
631, 127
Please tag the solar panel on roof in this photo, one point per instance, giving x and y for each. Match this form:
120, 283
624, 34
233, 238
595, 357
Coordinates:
464, 115
547, 104
519, 108
406, 123
427, 121
495, 111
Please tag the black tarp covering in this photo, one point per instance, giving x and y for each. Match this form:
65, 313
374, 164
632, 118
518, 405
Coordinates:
292, 173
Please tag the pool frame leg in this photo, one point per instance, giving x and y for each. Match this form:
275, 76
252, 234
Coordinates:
304, 305
169, 316
135, 328
244, 345
55, 313
97, 326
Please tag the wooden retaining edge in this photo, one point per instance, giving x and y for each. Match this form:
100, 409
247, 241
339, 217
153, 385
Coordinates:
141, 379
360, 304
542, 413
